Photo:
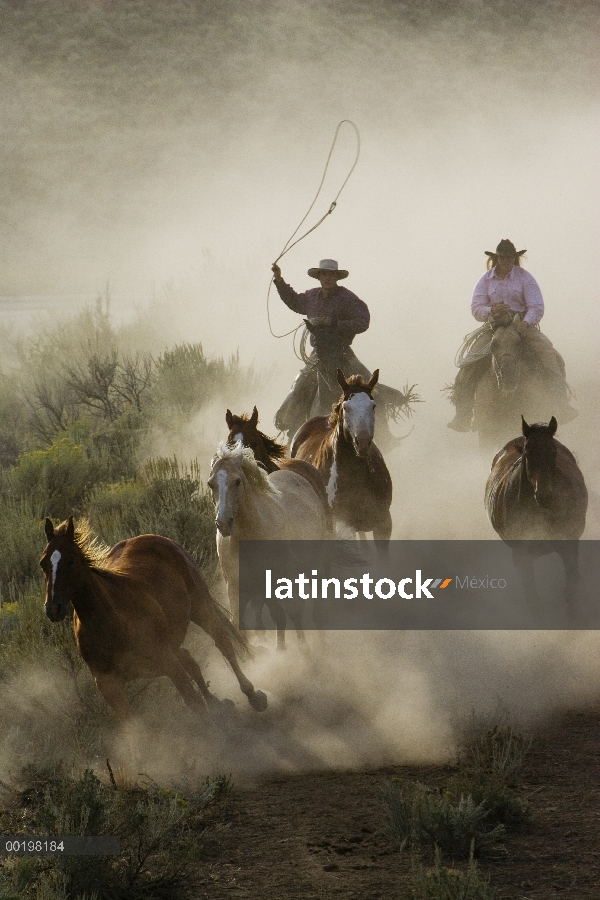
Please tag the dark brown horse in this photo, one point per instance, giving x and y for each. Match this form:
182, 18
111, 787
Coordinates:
272, 455
359, 487
132, 608
536, 500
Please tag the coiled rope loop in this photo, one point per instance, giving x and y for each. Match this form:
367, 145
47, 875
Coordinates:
288, 245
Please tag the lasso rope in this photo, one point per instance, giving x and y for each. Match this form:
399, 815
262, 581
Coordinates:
288, 245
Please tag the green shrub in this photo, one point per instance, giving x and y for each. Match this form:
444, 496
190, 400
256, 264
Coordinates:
56, 480
499, 751
441, 883
420, 817
490, 791
186, 380
162, 832
164, 499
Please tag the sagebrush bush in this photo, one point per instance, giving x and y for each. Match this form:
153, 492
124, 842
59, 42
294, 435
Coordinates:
166, 498
440, 883
499, 751
420, 817
57, 480
489, 790
162, 832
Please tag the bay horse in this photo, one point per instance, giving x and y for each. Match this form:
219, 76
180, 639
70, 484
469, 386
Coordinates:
524, 375
341, 447
252, 504
132, 608
272, 455
536, 501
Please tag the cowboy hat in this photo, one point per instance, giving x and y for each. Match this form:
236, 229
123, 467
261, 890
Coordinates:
328, 265
505, 248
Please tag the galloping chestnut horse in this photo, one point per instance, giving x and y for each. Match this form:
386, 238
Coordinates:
132, 608
272, 456
341, 447
535, 493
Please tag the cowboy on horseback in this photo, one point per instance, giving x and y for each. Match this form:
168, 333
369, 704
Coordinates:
504, 291
334, 316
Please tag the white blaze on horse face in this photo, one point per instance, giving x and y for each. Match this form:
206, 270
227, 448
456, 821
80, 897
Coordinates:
359, 421
54, 559
228, 498
332, 483
239, 439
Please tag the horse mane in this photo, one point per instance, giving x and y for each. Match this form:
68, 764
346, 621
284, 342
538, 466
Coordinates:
274, 450
356, 385
256, 475
94, 550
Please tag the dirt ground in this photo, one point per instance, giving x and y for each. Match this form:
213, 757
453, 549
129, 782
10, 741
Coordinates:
320, 835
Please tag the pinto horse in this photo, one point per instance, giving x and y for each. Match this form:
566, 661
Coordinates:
535, 493
252, 504
341, 447
132, 608
271, 455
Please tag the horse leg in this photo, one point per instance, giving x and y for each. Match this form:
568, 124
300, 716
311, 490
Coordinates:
278, 615
111, 688
173, 669
382, 534
523, 560
295, 612
195, 672
569, 552
206, 615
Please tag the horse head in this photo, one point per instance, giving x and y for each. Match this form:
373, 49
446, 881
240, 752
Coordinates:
60, 563
357, 410
243, 429
225, 483
506, 349
539, 459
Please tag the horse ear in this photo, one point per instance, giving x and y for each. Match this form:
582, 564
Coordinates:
254, 418
70, 529
552, 426
49, 529
373, 380
525, 428
229, 418
517, 319
342, 381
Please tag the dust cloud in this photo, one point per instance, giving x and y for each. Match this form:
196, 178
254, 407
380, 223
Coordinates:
171, 148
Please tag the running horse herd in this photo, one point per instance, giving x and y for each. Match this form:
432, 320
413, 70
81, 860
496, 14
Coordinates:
133, 603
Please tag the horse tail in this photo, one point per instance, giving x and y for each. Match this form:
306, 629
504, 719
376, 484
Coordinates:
204, 607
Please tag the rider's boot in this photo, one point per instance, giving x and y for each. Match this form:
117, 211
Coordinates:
295, 409
462, 419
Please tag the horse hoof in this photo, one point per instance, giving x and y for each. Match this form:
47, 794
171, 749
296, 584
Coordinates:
258, 701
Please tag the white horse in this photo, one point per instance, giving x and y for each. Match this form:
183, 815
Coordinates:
251, 505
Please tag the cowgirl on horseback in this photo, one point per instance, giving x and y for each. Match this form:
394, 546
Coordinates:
505, 289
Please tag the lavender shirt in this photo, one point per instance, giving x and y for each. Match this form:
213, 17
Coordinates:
519, 290
351, 314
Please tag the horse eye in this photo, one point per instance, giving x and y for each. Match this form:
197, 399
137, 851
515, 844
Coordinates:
238, 481
70, 562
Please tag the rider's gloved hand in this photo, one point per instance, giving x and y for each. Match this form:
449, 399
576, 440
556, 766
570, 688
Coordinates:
276, 271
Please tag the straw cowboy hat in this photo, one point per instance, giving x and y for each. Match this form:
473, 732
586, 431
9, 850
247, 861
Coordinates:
505, 248
328, 265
